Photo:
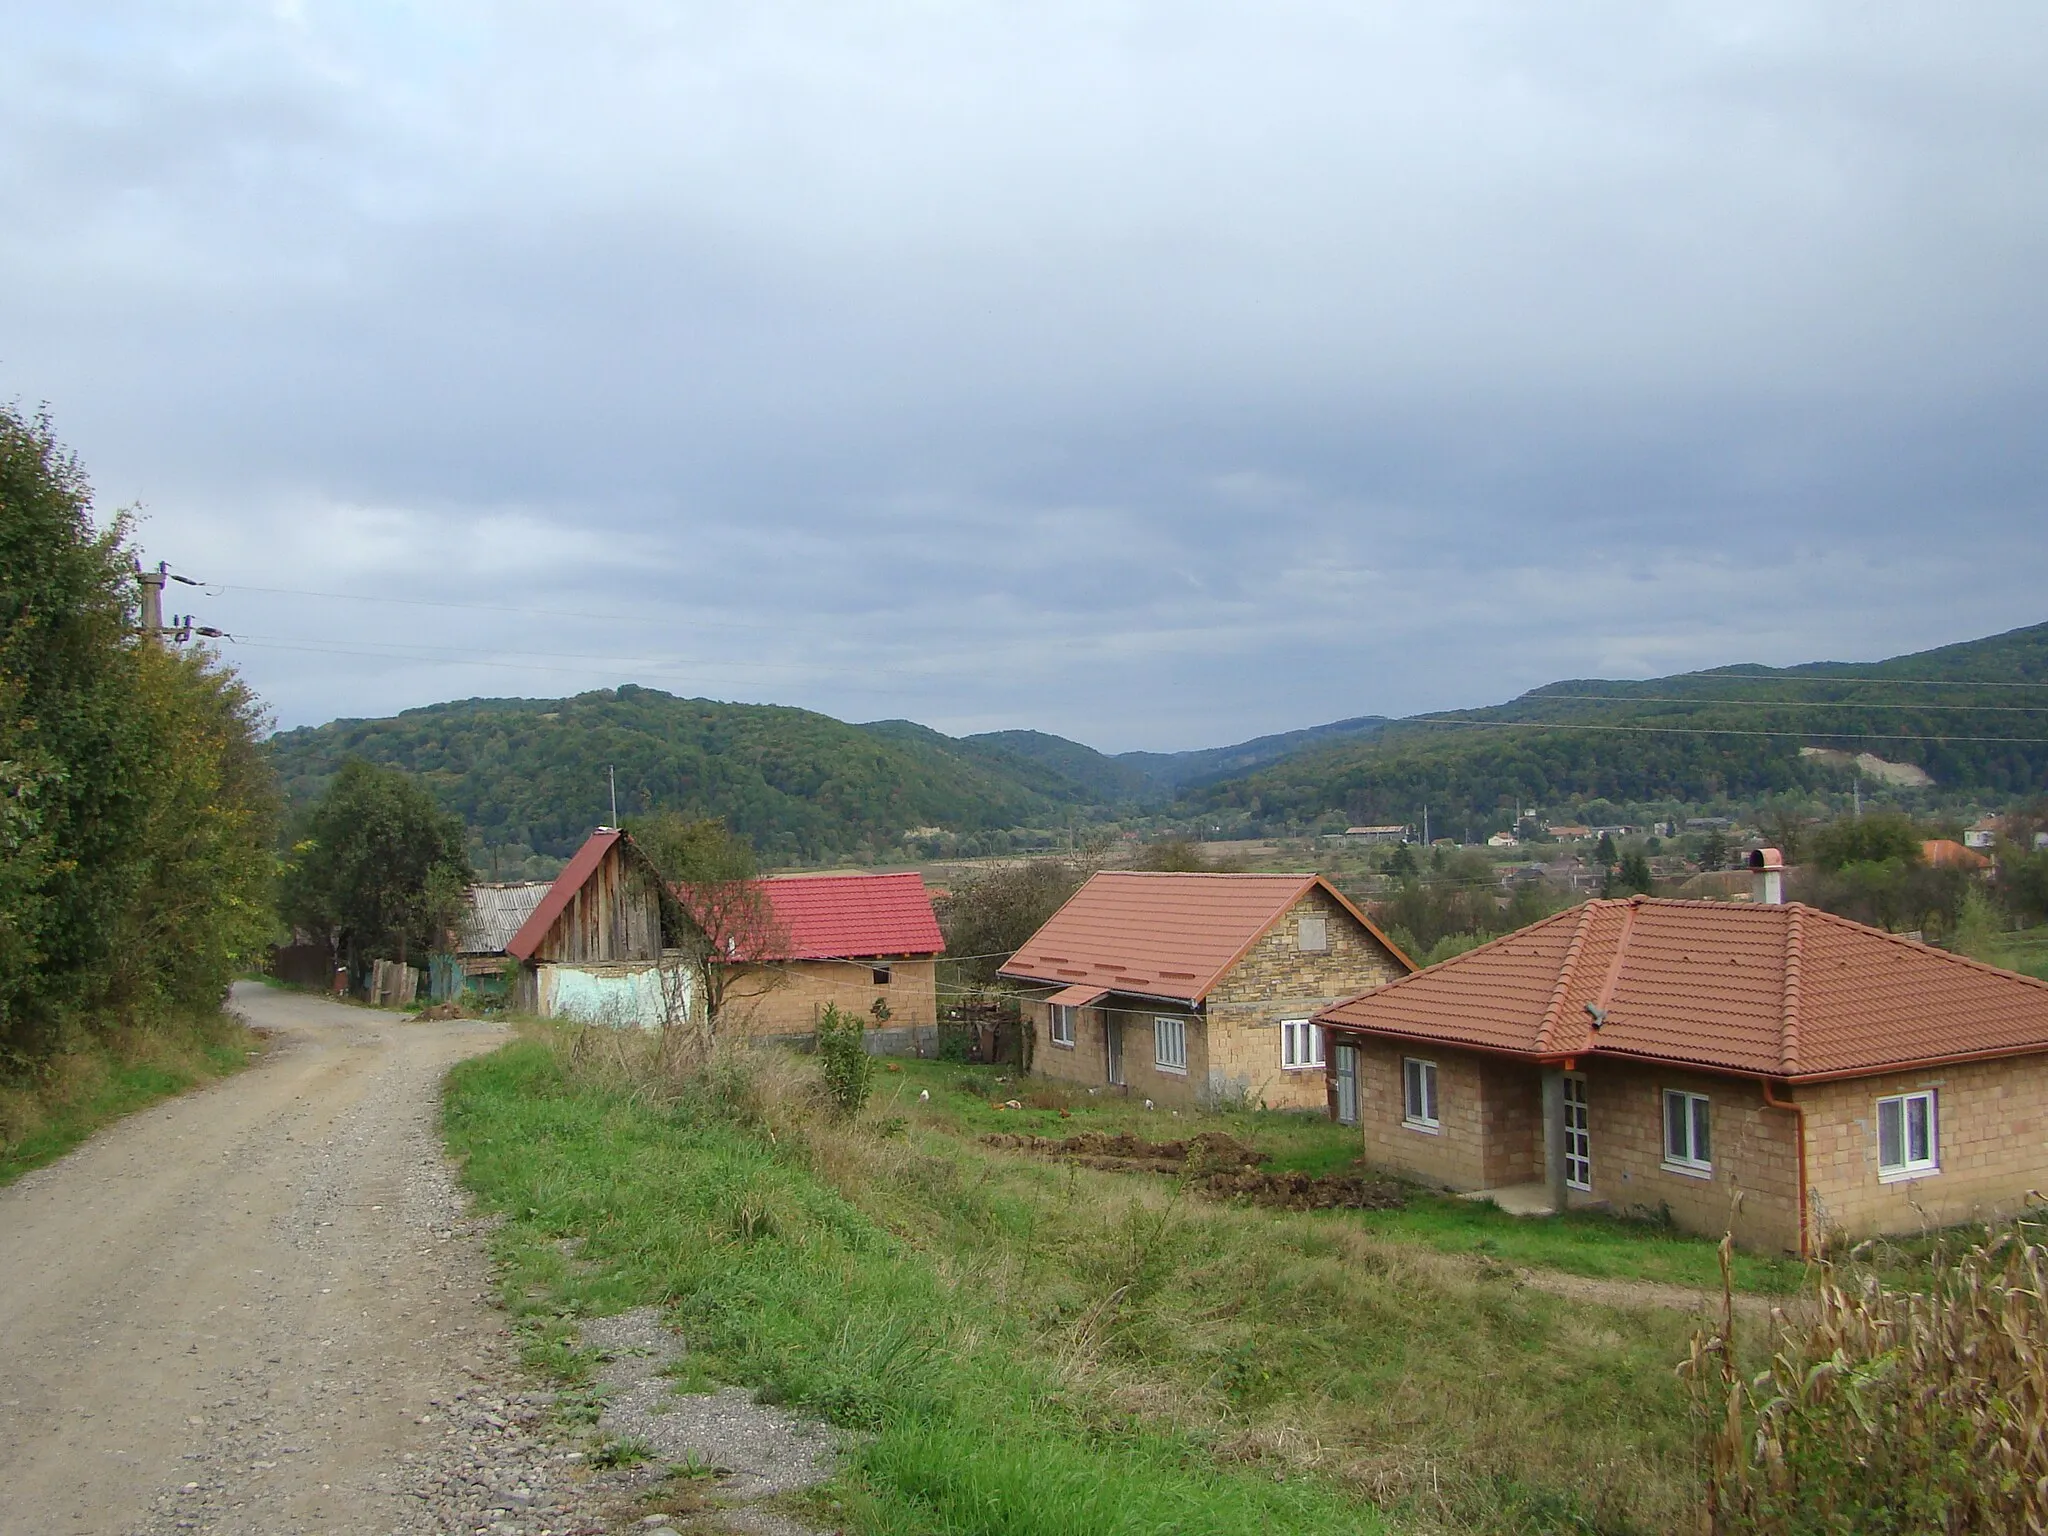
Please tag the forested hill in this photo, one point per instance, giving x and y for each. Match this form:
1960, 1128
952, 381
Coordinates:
529, 774
1734, 730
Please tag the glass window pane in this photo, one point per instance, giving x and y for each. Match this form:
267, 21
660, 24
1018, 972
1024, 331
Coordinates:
1675, 1140
1916, 1129
1702, 1147
1429, 1092
1891, 1149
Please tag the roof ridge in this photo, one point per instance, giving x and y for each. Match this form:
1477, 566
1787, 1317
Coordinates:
1564, 977
1216, 874
1795, 955
1495, 942
1303, 884
1628, 927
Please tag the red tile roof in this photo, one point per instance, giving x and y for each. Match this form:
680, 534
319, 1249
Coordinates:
1162, 935
1767, 991
829, 917
579, 869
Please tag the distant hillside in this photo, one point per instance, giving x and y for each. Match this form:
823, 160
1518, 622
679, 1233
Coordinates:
1682, 738
1180, 770
530, 773
1103, 779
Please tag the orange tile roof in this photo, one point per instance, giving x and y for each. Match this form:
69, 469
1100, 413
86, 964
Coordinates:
1162, 935
1944, 851
1767, 991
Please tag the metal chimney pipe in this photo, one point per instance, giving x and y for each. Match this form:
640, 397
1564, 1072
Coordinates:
1767, 871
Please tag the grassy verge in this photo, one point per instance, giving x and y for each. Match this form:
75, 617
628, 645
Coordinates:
969, 1101
1035, 1348
92, 1086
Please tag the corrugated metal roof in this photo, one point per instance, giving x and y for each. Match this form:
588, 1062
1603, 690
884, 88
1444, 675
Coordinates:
1159, 934
1770, 991
851, 916
496, 913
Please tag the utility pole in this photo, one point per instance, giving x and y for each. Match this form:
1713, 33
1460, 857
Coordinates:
1425, 823
612, 773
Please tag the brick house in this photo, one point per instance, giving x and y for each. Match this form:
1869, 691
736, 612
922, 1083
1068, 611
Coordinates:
1764, 1069
1188, 988
849, 940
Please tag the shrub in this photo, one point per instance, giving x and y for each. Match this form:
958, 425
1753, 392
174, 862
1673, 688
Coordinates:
849, 1069
1889, 1410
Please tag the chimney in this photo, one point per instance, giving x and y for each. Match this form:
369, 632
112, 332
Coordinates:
1767, 867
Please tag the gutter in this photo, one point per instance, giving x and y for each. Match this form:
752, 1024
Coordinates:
1798, 1113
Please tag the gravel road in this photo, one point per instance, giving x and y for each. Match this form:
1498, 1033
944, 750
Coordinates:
258, 1309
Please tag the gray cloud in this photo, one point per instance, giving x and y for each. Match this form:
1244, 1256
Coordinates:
1155, 374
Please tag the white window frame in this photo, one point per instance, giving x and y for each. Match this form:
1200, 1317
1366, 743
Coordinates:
1301, 1046
1312, 923
1578, 1133
1420, 1110
1170, 1044
1697, 1110
1909, 1166
1060, 1024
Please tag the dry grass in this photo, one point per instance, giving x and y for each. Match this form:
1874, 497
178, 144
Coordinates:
1886, 1409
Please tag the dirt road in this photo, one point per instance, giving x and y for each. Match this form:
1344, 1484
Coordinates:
255, 1309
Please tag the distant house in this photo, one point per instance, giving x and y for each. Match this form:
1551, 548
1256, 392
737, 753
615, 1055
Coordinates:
1569, 832
854, 941
1984, 833
1947, 853
1765, 1069
1190, 988
1503, 840
1387, 834
480, 962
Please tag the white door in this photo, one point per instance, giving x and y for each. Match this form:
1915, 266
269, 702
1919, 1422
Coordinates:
1113, 1043
1347, 1084
1578, 1133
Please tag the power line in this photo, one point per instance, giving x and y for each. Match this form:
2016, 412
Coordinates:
533, 613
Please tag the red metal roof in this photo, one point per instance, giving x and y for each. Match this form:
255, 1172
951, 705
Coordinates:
1767, 991
567, 884
829, 917
1162, 935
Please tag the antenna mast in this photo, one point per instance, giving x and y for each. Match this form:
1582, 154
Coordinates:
612, 773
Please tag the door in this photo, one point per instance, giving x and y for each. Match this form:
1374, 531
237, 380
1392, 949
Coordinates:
1113, 1043
1346, 1069
1578, 1133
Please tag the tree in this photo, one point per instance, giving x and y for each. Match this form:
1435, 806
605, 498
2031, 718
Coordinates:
1402, 864
378, 868
138, 813
1176, 855
1714, 850
989, 915
1604, 854
716, 914
1872, 839
1632, 878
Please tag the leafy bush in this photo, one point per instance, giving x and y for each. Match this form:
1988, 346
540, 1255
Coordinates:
849, 1069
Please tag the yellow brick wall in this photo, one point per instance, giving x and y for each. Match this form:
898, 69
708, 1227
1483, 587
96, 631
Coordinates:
803, 987
1087, 1062
1754, 1187
1452, 1157
1276, 980
1992, 1130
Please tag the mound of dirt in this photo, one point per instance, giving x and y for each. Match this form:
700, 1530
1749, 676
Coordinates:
1217, 1165
1125, 1153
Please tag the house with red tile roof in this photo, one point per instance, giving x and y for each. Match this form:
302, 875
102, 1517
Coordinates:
605, 943
1193, 988
867, 944
1764, 1069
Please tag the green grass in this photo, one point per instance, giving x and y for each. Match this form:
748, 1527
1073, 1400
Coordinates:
80, 1093
1592, 1244
1035, 1348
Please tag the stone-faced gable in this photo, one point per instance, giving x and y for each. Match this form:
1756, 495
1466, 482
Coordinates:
1276, 969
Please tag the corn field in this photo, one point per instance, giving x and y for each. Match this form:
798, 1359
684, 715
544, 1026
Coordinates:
1887, 1410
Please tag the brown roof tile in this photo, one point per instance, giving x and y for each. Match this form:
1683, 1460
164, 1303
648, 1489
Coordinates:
1159, 934
1770, 991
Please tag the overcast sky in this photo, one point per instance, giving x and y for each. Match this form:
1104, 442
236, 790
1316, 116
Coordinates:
1156, 374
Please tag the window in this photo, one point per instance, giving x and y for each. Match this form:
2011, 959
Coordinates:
880, 973
1418, 1095
1687, 1146
1578, 1133
1301, 1045
1170, 1044
1908, 1141
1312, 933
1062, 1024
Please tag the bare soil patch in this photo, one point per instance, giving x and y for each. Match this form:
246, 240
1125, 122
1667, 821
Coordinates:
1215, 1165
